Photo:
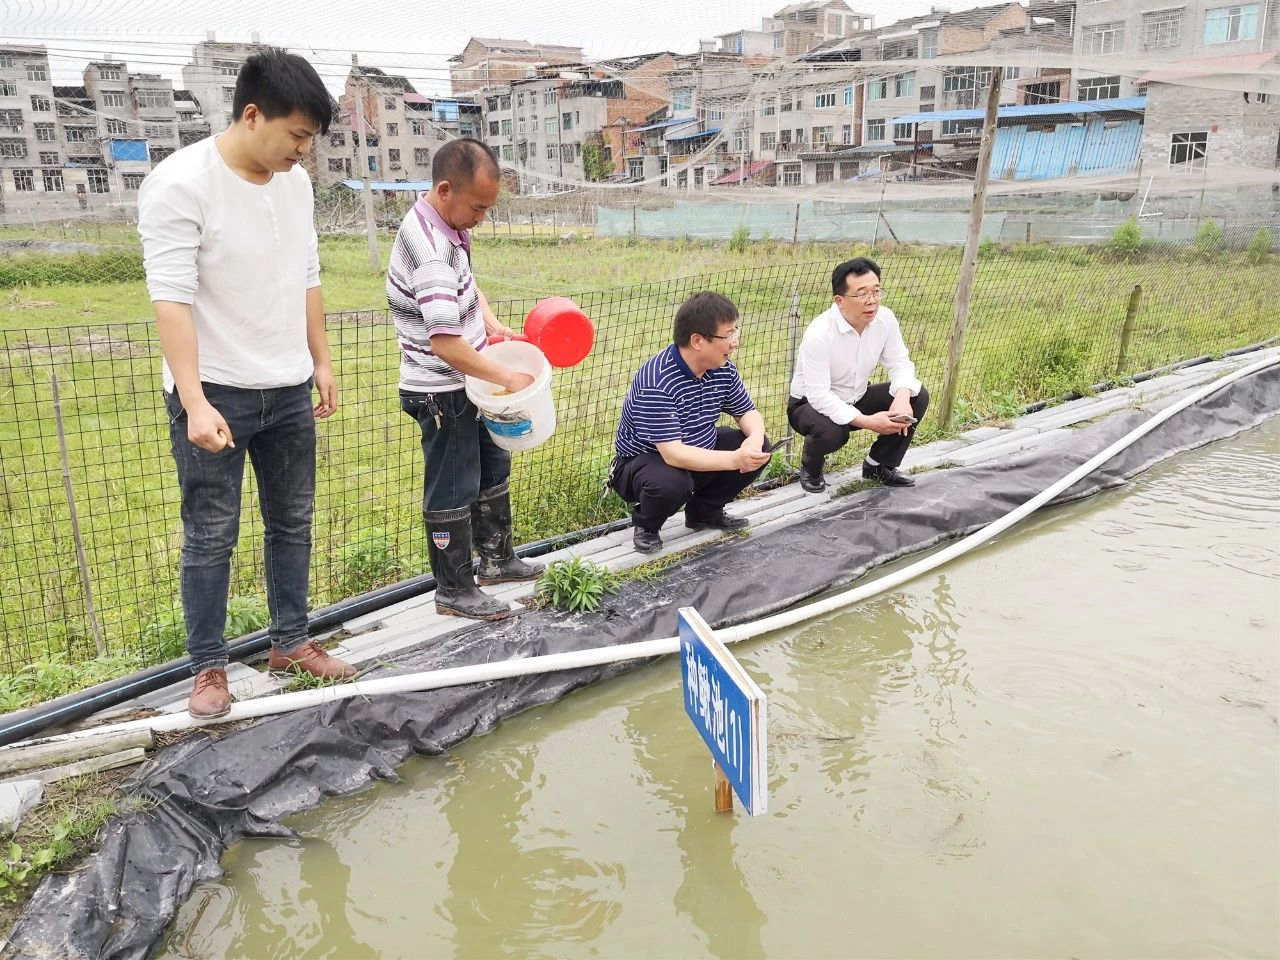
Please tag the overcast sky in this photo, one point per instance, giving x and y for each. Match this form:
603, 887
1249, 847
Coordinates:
413, 37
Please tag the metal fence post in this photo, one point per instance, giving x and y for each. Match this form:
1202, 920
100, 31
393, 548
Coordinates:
1126, 332
81, 561
793, 344
795, 230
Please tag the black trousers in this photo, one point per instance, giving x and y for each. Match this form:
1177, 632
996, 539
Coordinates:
657, 490
823, 435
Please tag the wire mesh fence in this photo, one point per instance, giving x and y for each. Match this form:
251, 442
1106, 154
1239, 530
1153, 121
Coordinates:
1044, 321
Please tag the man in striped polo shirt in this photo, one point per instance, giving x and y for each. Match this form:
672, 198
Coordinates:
670, 453
443, 322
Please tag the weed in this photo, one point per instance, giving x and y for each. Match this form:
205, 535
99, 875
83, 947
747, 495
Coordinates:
1126, 241
575, 585
1259, 249
739, 239
369, 563
1209, 238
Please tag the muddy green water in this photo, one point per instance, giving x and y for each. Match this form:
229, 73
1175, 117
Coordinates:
1064, 745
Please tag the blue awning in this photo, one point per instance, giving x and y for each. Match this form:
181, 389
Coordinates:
1031, 110
662, 123
694, 136
417, 186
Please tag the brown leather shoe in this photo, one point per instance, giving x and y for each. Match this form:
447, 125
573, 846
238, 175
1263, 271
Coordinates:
210, 696
311, 658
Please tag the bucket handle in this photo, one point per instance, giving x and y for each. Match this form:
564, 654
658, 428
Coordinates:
519, 336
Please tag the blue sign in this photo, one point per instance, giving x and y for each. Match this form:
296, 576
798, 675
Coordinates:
727, 709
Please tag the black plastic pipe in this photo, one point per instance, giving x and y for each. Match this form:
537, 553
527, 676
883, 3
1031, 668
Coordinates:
24, 724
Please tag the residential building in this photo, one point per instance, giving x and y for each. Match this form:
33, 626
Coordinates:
31, 148
489, 62
211, 77
1121, 31
799, 27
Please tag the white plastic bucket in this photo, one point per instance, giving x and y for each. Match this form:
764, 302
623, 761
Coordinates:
517, 421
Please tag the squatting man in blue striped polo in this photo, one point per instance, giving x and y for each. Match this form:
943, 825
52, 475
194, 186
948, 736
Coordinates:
670, 453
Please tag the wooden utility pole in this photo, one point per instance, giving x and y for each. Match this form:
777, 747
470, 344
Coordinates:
969, 262
362, 158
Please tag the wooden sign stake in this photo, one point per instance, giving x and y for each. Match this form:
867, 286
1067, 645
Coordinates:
724, 792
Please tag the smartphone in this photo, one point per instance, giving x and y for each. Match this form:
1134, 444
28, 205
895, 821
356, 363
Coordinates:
773, 447
903, 418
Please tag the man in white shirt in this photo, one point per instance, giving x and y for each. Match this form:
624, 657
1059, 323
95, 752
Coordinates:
831, 393
233, 270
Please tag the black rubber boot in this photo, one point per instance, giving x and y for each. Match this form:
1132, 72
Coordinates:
811, 479
449, 547
491, 521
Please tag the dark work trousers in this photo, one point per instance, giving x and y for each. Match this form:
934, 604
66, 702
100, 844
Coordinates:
277, 429
823, 435
657, 490
461, 458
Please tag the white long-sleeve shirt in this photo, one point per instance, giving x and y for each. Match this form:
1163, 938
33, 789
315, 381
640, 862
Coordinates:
835, 363
243, 255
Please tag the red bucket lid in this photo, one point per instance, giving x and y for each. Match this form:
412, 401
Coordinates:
561, 330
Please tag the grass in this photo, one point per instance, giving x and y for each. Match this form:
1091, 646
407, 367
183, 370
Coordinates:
1045, 321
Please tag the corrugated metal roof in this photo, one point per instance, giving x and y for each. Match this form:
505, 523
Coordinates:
1033, 110
712, 131
663, 123
738, 175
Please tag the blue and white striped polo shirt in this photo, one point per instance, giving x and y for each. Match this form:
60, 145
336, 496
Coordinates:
430, 290
667, 402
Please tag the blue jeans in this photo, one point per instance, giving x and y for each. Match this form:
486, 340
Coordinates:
277, 429
461, 458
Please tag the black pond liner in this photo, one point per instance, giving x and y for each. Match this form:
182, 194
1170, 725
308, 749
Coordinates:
215, 788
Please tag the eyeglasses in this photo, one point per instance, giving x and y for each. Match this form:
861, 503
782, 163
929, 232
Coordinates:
865, 296
736, 335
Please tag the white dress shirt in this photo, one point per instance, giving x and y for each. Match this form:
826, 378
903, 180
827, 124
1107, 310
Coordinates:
242, 254
835, 363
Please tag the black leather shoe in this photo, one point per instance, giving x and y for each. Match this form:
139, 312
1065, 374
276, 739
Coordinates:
812, 482
716, 521
646, 541
889, 476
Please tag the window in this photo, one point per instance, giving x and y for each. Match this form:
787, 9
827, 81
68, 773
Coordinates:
228, 94
1189, 151
784, 105
11, 120
848, 169
8, 88
846, 134
739, 141
903, 131
1226, 24
24, 180
159, 153
108, 73
1044, 92
823, 134
418, 128
337, 139
960, 78
79, 134
717, 114
13, 148
117, 128
928, 44
827, 99
957, 128
46, 132
506, 128
41, 104
493, 128
158, 131
98, 181
826, 171
878, 89
1104, 38
1162, 30
681, 100
566, 152
389, 103
785, 137
566, 121
769, 108
393, 129
520, 126
791, 175
49, 158
799, 135
551, 151
506, 151
928, 93
153, 99
336, 165
373, 164
899, 49
421, 156
1100, 88
1012, 73
875, 130
491, 103
778, 39
113, 98
549, 125
132, 181
768, 141
371, 140
7, 61
548, 97
697, 176
904, 85
393, 156
37, 73
227, 68
52, 181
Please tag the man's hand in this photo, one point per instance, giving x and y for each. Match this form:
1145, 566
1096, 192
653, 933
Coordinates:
207, 429
754, 443
498, 329
517, 381
327, 387
882, 423
749, 457
901, 405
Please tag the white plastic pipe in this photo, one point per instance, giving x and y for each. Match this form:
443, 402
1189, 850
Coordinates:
550, 663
